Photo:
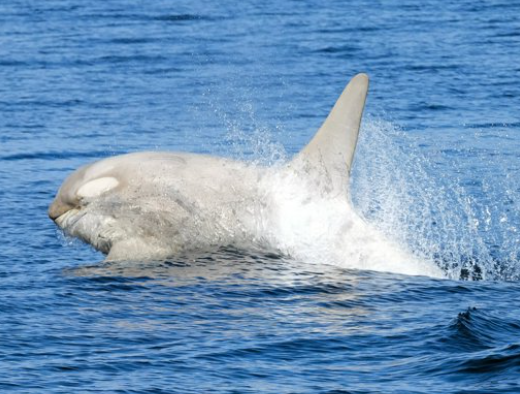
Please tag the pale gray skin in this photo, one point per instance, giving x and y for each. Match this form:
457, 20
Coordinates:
156, 205
163, 204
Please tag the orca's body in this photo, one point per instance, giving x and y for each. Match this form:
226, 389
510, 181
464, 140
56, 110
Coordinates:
155, 205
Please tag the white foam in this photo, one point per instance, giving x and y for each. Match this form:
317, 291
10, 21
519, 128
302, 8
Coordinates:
315, 227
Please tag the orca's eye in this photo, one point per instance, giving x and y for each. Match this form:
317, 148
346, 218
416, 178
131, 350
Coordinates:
97, 187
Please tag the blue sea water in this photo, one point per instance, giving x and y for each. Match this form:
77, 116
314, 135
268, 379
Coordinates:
437, 170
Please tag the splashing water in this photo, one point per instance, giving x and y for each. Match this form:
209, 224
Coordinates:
409, 218
470, 234
321, 228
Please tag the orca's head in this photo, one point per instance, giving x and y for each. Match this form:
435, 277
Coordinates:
86, 204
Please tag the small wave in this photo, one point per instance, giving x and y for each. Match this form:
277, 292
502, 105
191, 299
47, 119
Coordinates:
503, 360
179, 18
475, 330
132, 40
53, 155
339, 49
116, 59
172, 18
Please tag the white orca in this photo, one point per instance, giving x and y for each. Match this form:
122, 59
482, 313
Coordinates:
156, 205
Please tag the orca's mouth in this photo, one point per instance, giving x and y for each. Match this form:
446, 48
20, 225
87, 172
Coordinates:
67, 219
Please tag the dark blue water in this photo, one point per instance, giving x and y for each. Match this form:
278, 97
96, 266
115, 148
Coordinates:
437, 170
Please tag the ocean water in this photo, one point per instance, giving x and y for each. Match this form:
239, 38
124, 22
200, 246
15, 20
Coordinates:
436, 171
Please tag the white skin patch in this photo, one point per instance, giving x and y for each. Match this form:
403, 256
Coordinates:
97, 187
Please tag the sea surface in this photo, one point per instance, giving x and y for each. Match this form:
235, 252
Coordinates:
436, 171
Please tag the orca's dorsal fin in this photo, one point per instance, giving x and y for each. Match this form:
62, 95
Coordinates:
330, 153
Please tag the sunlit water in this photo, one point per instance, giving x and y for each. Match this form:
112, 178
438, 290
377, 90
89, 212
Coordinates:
436, 173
